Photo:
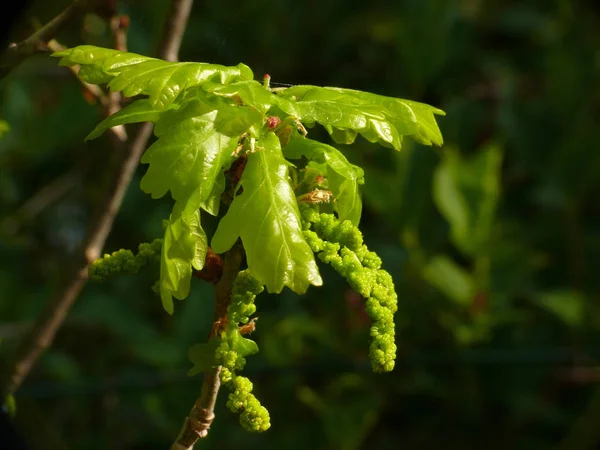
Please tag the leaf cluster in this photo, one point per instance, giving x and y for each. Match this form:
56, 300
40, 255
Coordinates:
206, 116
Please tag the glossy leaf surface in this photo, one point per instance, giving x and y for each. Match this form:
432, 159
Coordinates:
187, 159
134, 74
241, 345
381, 119
184, 247
267, 219
138, 111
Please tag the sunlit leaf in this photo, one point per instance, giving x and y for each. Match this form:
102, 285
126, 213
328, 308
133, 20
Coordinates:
134, 74
138, 111
241, 345
184, 247
379, 119
344, 178
267, 219
247, 92
187, 159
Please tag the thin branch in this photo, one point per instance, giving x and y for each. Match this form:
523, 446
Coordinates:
119, 24
202, 414
38, 41
93, 90
39, 201
51, 318
53, 315
175, 26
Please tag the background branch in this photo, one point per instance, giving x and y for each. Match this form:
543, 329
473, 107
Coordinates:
54, 313
175, 25
38, 41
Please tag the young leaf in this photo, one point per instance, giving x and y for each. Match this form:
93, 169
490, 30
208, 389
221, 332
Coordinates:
184, 247
203, 356
267, 219
134, 74
379, 119
241, 345
188, 159
249, 92
138, 111
344, 178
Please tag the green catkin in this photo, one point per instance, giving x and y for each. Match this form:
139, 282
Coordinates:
124, 261
253, 416
340, 244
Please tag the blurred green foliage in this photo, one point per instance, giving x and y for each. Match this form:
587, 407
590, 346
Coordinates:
492, 240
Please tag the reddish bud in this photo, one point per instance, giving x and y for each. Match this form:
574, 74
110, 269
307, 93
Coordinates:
479, 303
273, 122
266, 81
124, 21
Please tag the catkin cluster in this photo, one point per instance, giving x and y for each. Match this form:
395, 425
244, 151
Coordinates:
253, 416
124, 261
340, 244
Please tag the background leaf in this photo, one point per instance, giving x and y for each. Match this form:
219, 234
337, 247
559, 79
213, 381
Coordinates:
466, 191
450, 279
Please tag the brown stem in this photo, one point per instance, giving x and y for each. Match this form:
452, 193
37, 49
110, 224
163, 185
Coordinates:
118, 26
53, 315
37, 42
175, 26
93, 92
202, 414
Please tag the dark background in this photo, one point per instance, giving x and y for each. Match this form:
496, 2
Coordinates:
498, 325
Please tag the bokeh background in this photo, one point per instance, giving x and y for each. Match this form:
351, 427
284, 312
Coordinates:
493, 240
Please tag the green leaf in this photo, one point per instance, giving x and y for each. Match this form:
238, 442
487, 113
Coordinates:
249, 92
466, 192
241, 345
450, 279
135, 74
138, 111
10, 406
4, 128
567, 305
203, 356
344, 178
184, 247
188, 158
267, 219
379, 119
